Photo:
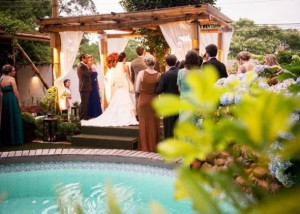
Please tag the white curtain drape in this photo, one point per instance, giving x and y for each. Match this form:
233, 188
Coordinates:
178, 37
212, 38
70, 42
116, 45
227, 36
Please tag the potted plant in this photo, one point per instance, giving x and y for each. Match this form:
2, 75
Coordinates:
28, 126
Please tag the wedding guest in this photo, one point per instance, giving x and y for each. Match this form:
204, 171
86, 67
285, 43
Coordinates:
181, 64
11, 132
85, 86
270, 60
191, 62
211, 53
68, 95
137, 65
94, 109
168, 85
149, 128
244, 62
1, 77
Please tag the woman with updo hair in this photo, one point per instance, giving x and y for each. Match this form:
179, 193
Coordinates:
11, 132
149, 123
244, 62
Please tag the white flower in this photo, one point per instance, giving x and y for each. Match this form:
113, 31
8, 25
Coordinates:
227, 98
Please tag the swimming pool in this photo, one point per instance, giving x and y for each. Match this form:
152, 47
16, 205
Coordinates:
36, 181
35, 185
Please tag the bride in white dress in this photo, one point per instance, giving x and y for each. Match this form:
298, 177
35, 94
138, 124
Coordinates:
121, 109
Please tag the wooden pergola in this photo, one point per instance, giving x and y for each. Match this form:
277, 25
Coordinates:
203, 15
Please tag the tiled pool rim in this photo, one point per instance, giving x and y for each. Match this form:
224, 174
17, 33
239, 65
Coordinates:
97, 155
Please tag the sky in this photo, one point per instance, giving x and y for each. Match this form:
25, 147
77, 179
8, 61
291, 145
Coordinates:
285, 13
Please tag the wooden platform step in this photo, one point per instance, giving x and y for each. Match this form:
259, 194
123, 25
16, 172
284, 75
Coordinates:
113, 131
105, 142
107, 137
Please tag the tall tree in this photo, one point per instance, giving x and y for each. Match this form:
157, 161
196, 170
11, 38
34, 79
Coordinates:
138, 5
154, 38
261, 40
20, 15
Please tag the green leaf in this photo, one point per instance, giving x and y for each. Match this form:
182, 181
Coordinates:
194, 184
206, 95
261, 118
295, 88
286, 75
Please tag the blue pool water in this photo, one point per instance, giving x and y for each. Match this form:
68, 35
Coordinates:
40, 187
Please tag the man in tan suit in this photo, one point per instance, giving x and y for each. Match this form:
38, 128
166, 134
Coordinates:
85, 86
137, 65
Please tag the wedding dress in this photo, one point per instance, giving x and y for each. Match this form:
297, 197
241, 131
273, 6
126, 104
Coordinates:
121, 110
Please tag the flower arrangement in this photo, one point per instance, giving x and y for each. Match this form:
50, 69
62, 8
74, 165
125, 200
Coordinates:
270, 72
111, 60
64, 95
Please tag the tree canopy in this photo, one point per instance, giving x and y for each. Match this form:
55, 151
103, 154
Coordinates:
21, 15
261, 40
153, 39
138, 5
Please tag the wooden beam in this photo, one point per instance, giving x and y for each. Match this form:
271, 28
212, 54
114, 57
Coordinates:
130, 35
162, 12
104, 50
216, 13
38, 73
56, 45
145, 23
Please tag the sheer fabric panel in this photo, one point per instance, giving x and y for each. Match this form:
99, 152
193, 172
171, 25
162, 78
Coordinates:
70, 42
178, 37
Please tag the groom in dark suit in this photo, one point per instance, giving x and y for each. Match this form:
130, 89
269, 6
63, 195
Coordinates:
85, 86
211, 53
168, 84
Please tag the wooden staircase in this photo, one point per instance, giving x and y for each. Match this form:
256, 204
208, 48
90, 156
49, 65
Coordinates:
125, 137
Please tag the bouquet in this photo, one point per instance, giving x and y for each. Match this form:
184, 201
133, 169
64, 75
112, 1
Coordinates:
270, 72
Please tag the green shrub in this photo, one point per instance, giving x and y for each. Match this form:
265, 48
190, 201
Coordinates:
28, 118
284, 57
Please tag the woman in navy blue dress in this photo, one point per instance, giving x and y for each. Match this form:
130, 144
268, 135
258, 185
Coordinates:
94, 109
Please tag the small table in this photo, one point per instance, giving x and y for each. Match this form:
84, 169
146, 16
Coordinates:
49, 129
74, 110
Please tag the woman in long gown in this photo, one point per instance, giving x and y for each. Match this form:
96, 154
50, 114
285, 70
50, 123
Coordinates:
94, 109
149, 127
11, 132
121, 109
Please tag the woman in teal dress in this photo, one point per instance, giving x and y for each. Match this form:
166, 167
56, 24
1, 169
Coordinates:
192, 60
11, 132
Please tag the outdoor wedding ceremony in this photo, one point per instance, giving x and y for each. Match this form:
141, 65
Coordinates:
149, 106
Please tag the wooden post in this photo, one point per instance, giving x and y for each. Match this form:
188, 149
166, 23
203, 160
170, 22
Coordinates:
56, 48
33, 66
220, 45
104, 48
195, 35
55, 44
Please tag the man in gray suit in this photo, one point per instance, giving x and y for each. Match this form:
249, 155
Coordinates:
85, 85
137, 65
